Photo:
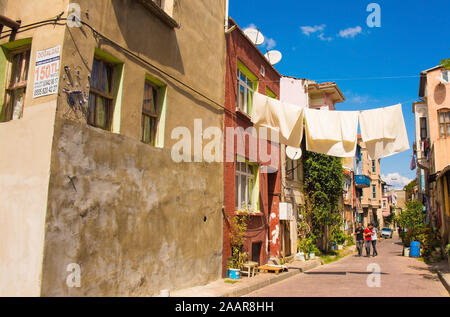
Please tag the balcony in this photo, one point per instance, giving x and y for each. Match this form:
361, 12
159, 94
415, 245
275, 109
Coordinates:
362, 181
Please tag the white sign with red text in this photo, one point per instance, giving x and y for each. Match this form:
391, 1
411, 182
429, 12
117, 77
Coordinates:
46, 74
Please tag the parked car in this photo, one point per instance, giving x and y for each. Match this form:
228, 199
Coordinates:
386, 233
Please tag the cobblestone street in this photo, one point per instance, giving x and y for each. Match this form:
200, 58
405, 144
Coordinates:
400, 277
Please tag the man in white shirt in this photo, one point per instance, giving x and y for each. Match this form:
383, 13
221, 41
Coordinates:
374, 239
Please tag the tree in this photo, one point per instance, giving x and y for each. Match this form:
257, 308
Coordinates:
409, 189
323, 183
413, 220
445, 63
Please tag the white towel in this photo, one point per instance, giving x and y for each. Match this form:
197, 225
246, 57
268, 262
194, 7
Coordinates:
283, 118
333, 133
384, 131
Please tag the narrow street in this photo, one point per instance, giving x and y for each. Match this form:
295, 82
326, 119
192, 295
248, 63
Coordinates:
400, 277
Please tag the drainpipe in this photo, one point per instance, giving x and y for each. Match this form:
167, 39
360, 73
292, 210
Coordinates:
227, 8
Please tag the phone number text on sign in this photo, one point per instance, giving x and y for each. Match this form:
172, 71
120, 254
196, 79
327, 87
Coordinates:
46, 73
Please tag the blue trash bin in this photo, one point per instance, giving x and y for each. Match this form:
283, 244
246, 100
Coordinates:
414, 251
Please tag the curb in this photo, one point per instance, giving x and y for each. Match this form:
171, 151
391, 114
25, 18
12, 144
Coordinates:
444, 281
272, 280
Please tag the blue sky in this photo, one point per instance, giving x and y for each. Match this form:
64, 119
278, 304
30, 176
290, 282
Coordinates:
330, 41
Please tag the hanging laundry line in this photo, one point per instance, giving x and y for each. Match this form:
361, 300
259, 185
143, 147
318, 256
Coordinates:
349, 79
333, 132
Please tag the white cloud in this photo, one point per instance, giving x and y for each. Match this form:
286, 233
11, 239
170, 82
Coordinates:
323, 38
307, 30
270, 43
350, 32
396, 180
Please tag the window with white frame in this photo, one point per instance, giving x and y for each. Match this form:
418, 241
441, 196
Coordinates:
245, 92
374, 166
374, 191
245, 186
444, 123
423, 128
446, 76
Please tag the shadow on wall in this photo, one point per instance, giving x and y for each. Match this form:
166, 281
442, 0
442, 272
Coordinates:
136, 23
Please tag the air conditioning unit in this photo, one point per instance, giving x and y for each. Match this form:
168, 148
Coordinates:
286, 211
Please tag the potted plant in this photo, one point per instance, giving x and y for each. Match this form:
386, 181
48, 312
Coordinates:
238, 227
313, 251
306, 247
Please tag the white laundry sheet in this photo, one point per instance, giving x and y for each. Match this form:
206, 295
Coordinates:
333, 133
282, 118
384, 131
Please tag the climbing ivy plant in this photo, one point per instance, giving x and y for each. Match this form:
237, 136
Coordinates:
323, 183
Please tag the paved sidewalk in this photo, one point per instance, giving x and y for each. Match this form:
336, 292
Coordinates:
443, 271
246, 285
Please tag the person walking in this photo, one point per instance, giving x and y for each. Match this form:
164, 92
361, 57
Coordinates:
359, 233
374, 239
368, 240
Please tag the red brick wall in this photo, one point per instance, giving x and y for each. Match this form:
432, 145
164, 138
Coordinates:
259, 227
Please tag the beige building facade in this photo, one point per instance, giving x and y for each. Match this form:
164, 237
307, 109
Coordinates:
86, 169
432, 147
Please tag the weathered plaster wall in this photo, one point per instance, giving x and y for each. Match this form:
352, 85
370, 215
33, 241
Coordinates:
194, 54
132, 219
25, 150
25, 147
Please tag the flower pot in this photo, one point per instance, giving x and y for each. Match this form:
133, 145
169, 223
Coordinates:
312, 256
300, 256
234, 274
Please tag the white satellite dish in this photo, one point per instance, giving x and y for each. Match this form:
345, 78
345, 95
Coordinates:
255, 36
274, 57
293, 153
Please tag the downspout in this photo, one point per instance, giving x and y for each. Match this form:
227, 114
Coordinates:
227, 8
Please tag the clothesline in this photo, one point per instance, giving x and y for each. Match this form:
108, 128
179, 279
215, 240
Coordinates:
348, 79
380, 107
333, 132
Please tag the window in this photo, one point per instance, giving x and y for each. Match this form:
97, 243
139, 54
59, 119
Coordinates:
444, 123
246, 188
374, 166
423, 128
270, 93
374, 191
151, 111
17, 84
446, 76
292, 170
245, 92
101, 95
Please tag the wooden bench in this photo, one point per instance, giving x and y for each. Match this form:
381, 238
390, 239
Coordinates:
270, 269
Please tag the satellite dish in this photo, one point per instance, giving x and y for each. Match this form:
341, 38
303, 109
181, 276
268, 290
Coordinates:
274, 57
293, 153
255, 36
